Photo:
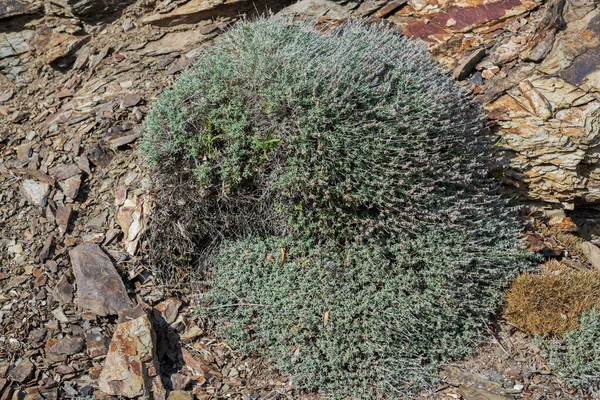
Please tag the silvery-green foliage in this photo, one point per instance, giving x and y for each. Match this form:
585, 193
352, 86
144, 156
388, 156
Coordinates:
353, 153
576, 356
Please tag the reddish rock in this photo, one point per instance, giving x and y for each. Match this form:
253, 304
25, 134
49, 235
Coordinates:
463, 19
99, 286
131, 368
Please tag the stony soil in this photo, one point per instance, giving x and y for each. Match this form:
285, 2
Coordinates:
81, 313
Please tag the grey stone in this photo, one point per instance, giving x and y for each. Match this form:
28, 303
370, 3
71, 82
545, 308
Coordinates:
35, 192
592, 253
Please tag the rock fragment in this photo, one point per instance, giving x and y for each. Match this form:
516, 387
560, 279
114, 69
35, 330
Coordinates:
539, 104
59, 349
63, 291
17, 8
35, 192
99, 286
52, 46
63, 215
131, 368
86, 7
23, 371
542, 42
592, 253
180, 395
466, 65
168, 309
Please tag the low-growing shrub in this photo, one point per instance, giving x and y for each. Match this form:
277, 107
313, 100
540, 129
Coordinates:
335, 184
576, 357
553, 301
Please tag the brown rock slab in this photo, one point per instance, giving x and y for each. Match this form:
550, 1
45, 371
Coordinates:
466, 65
22, 371
462, 19
99, 286
131, 367
117, 141
59, 349
96, 344
52, 46
200, 10
63, 291
63, 215
130, 100
17, 8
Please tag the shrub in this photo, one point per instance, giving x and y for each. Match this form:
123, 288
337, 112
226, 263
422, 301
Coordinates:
552, 302
576, 358
335, 183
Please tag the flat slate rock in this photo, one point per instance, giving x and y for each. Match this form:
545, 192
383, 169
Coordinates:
131, 366
99, 286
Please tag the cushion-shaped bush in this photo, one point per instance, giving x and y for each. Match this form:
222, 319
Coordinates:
335, 183
575, 357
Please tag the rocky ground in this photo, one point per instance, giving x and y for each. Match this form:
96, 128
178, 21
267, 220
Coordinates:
82, 315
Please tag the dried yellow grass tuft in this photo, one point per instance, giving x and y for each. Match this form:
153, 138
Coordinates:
552, 302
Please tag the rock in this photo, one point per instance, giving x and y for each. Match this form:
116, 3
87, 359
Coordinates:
63, 291
180, 381
473, 393
180, 395
466, 65
117, 141
539, 104
22, 371
62, 171
437, 29
319, 8
96, 343
17, 8
130, 100
86, 7
592, 253
35, 192
563, 224
63, 215
169, 309
131, 368
52, 46
458, 377
99, 286
6, 95
66, 346
70, 187
202, 10
542, 42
